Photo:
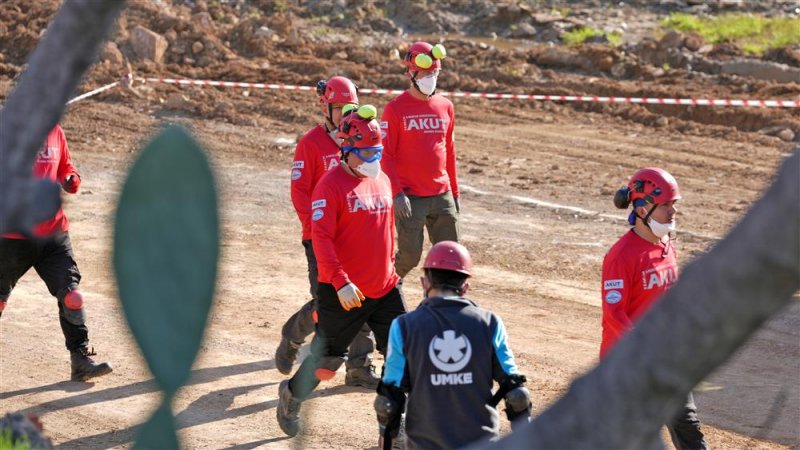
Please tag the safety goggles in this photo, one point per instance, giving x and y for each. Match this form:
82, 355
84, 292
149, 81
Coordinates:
425, 61
357, 151
366, 112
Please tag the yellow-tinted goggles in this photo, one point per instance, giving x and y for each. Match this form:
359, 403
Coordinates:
425, 61
365, 112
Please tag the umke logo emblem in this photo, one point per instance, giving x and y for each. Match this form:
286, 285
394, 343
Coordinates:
450, 353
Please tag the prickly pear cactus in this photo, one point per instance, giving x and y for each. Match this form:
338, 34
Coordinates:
166, 246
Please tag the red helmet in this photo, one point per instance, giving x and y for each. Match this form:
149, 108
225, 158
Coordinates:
449, 255
337, 90
424, 56
654, 185
360, 130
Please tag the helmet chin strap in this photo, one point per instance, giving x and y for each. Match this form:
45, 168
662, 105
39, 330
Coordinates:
414, 81
330, 118
646, 220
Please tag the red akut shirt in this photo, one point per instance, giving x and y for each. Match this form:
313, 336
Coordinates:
52, 163
353, 232
316, 153
635, 274
419, 153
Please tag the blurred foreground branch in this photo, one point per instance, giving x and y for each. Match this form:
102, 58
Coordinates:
67, 50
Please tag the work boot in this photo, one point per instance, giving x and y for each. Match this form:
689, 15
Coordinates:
84, 367
363, 377
285, 355
288, 410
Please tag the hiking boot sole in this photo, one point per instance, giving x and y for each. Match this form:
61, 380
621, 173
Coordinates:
89, 376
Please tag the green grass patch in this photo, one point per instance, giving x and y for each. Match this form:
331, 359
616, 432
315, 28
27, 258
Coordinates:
754, 34
6, 443
614, 38
580, 35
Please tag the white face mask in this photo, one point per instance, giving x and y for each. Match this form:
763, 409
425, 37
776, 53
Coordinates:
661, 229
370, 169
332, 134
427, 85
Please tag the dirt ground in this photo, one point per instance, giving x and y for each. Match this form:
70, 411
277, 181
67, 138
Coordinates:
537, 266
537, 213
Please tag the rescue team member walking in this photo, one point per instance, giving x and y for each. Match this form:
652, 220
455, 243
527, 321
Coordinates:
446, 355
318, 152
639, 268
420, 157
49, 252
353, 236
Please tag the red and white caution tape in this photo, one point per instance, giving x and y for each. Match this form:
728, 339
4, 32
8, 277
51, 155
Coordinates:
773, 103
237, 84
643, 100
95, 92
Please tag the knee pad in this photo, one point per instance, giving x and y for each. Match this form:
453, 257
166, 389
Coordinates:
310, 308
73, 299
389, 406
518, 399
518, 405
71, 305
327, 367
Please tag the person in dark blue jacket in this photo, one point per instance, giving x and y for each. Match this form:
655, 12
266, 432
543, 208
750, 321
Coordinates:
446, 355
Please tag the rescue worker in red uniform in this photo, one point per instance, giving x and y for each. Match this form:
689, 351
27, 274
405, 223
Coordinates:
639, 268
49, 252
352, 230
420, 157
317, 152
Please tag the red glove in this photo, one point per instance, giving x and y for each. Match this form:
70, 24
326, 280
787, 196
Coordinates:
71, 183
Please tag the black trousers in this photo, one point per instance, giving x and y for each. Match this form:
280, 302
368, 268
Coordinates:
336, 329
53, 260
301, 323
684, 429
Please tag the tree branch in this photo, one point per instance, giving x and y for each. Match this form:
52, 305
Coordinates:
67, 50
